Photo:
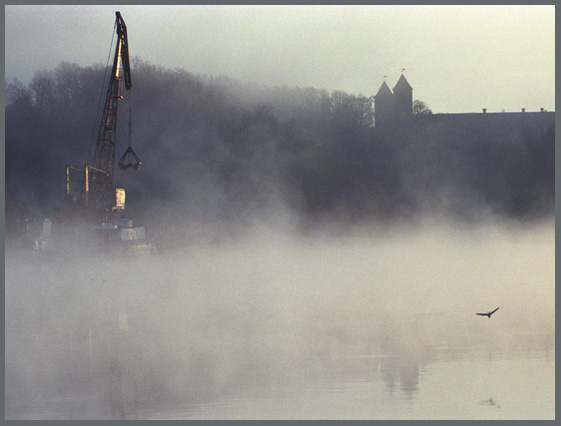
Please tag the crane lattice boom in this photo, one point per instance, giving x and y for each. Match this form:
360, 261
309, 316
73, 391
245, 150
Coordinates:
104, 155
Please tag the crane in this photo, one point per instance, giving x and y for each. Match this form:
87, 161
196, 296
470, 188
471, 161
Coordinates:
100, 174
100, 200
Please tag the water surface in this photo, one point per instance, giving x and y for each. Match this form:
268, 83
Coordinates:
277, 328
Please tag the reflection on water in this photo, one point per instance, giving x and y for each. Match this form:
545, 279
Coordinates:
490, 402
418, 370
184, 340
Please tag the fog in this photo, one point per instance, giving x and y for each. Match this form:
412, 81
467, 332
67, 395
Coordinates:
291, 233
218, 150
105, 336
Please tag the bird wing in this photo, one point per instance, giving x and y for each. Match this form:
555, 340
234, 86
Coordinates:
480, 313
492, 312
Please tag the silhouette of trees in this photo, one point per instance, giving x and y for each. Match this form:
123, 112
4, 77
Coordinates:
213, 147
419, 107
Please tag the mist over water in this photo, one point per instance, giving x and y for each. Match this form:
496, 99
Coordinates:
319, 254
269, 314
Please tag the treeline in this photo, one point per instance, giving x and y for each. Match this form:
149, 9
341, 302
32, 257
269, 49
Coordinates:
216, 149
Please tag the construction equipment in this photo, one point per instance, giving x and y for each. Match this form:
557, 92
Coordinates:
99, 198
102, 170
98, 186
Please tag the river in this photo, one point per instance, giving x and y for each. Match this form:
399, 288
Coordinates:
277, 329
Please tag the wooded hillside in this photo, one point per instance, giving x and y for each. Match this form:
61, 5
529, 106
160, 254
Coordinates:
216, 149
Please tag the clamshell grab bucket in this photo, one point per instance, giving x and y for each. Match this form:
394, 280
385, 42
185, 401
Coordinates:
129, 160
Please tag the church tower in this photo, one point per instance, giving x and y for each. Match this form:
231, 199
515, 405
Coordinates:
403, 99
383, 105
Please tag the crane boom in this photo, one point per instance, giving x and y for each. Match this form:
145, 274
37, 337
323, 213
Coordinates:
99, 205
124, 45
104, 155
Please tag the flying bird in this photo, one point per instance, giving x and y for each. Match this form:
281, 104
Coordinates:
487, 314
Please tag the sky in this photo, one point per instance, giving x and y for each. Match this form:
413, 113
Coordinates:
456, 58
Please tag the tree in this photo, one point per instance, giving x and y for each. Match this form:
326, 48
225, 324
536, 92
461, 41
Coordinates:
42, 87
19, 95
419, 107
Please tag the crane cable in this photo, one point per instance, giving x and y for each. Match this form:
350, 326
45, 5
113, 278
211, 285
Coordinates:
130, 119
123, 164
